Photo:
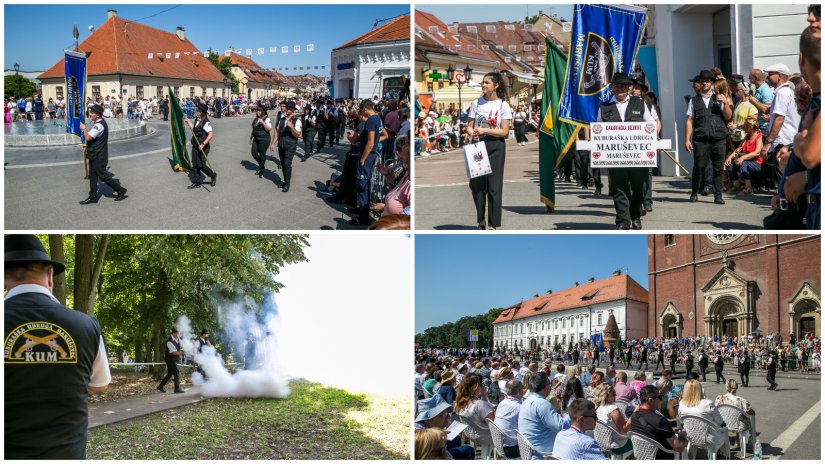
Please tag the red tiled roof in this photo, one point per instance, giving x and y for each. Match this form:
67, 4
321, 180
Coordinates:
509, 35
255, 73
435, 31
611, 289
397, 29
120, 46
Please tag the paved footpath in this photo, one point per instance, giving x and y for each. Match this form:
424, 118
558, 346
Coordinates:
130, 408
443, 200
44, 185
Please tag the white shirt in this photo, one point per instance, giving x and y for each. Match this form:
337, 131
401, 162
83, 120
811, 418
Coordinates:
705, 98
100, 376
784, 105
97, 129
171, 346
622, 107
484, 111
296, 124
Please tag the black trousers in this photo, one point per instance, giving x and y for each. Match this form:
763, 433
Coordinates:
98, 171
487, 190
688, 371
627, 190
331, 133
659, 361
348, 177
259, 147
744, 377
643, 360
720, 375
708, 152
772, 379
322, 134
703, 370
582, 163
171, 370
199, 166
567, 165
519, 129
342, 128
308, 136
286, 151
648, 200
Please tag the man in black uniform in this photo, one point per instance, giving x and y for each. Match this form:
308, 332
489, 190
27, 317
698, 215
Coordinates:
331, 122
629, 356
612, 354
203, 341
719, 365
707, 117
54, 359
218, 108
172, 353
341, 122
320, 124
689, 366
626, 184
287, 134
770, 365
97, 152
703, 363
308, 122
201, 136
164, 107
660, 357
674, 355
643, 360
744, 367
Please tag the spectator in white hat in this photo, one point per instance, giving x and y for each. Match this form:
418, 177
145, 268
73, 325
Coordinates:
784, 120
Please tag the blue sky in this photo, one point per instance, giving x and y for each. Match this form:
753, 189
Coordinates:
468, 274
36, 35
500, 12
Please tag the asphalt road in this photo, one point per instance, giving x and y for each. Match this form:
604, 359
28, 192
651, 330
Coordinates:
43, 188
443, 200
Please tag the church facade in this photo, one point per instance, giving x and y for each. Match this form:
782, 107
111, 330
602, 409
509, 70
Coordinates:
733, 285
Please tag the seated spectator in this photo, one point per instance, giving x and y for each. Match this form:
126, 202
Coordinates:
561, 378
570, 393
392, 222
624, 392
574, 443
588, 375
538, 420
694, 403
507, 416
639, 381
472, 404
446, 390
595, 380
610, 375
730, 398
398, 177
664, 383
504, 375
607, 411
431, 384
646, 421
746, 160
434, 413
430, 444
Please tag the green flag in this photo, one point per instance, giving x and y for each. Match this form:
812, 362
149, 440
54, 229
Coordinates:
555, 137
179, 154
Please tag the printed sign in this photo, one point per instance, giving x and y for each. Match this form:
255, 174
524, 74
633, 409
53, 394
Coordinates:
623, 144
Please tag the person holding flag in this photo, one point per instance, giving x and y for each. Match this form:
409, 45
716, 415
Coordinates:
97, 152
201, 136
626, 184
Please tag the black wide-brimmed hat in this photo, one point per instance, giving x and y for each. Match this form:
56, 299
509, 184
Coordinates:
640, 82
706, 75
21, 249
290, 105
97, 109
203, 108
621, 78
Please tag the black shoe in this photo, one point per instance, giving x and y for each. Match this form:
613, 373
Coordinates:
88, 201
718, 200
260, 173
649, 208
354, 209
356, 222
303, 159
161, 389
121, 196
194, 186
643, 213
180, 390
334, 199
622, 226
214, 180
705, 192
598, 192
636, 224
482, 227
693, 197
286, 187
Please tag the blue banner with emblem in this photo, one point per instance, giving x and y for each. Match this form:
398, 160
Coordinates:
604, 41
75, 93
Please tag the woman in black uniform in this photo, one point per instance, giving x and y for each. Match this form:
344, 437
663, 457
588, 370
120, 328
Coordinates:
260, 138
490, 117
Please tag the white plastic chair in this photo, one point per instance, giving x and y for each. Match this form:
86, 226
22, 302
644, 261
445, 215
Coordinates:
526, 450
738, 422
498, 440
606, 435
472, 435
645, 448
698, 430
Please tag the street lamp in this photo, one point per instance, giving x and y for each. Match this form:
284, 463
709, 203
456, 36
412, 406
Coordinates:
17, 77
468, 72
225, 85
511, 79
450, 73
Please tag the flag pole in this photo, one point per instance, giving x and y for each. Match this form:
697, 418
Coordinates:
76, 35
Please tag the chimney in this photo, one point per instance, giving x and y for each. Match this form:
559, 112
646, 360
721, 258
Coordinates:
577, 283
541, 12
455, 24
617, 272
111, 14
179, 31
549, 291
591, 280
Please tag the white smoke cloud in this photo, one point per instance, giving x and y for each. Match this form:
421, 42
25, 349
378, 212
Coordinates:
265, 378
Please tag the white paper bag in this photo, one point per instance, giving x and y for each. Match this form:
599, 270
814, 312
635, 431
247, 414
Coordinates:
511, 134
476, 160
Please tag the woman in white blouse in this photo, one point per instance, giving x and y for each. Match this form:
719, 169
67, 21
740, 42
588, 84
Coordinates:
694, 403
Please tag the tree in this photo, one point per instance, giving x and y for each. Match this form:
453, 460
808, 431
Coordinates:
16, 86
88, 266
56, 253
224, 65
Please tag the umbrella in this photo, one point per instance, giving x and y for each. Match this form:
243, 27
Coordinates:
444, 118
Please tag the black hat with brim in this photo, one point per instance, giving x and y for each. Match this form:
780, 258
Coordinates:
706, 75
26, 248
203, 108
290, 105
97, 109
621, 78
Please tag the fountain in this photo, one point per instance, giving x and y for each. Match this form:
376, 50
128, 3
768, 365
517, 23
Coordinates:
52, 132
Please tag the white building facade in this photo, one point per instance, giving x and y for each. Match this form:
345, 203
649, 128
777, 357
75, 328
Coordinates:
369, 69
733, 37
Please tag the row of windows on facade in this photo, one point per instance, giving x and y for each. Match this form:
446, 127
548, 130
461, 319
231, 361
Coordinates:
139, 92
543, 341
533, 326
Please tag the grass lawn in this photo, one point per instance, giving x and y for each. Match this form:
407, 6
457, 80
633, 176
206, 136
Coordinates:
315, 422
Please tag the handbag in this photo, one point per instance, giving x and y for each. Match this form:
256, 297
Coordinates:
476, 160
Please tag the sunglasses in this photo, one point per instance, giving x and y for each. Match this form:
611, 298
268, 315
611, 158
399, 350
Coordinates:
816, 10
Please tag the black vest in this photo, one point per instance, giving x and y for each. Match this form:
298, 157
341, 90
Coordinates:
319, 118
200, 133
635, 111
167, 355
744, 363
708, 123
306, 125
704, 361
719, 364
285, 135
259, 132
98, 147
48, 361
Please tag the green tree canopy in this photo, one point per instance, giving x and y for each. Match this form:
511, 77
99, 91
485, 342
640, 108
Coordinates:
18, 86
454, 334
224, 65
